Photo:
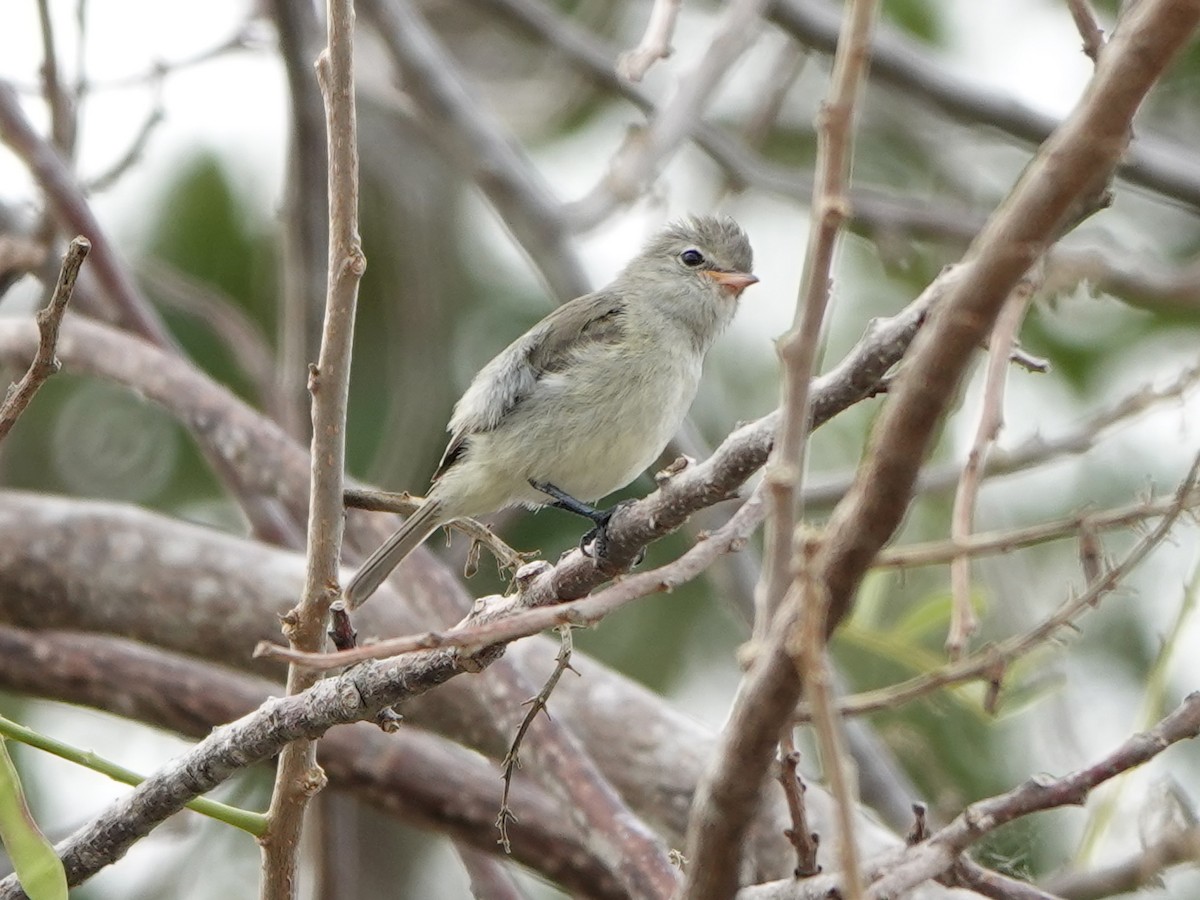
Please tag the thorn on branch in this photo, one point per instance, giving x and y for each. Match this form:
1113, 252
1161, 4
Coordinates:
920, 827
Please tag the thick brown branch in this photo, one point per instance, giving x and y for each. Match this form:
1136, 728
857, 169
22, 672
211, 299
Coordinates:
1071, 167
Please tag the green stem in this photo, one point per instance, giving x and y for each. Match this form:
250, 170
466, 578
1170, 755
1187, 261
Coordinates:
253, 822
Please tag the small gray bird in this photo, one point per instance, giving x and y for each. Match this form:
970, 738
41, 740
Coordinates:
578, 406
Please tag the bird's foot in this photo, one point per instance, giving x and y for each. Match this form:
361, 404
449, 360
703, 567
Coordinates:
596, 537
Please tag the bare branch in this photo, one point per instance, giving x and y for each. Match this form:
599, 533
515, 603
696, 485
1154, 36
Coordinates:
1142, 869
637, 163
241, 335
305, 221
936, 855
1069, 169
935, 553
907, 66
995, 658
969, 874
1088, 26
809, 652
655, 43
797, 349
1033, 452
963, 623
418, 778
298, 777
800, 835
45, 362
490, 878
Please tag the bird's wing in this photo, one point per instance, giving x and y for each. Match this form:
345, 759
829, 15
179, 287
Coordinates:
549, 347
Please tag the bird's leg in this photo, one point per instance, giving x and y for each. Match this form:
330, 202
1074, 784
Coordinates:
598, 517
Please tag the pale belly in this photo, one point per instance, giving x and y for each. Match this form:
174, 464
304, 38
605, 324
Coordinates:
587, 444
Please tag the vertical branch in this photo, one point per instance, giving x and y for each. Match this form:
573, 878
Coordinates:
810, 652
963, 623
298, 775
798, 348
716, 851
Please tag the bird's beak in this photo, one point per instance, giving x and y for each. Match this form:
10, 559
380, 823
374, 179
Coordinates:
733, 282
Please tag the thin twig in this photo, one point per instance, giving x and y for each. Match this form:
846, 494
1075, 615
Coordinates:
805, 841
480, 144
963, 622
967, 873
638, 161
298, 776
809, 651
1033, 452
905, 65
232, 325
1143, 869
537, 704
63, 120
995, 658
936, 553
45, 362
655, 43
936, 855
134, 152
1089, 28
490, 877
305, 226
784, 472
73, 214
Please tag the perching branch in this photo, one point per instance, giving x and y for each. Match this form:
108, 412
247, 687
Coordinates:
551, 595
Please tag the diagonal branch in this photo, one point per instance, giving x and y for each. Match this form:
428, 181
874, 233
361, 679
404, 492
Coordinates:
1072, 167
936, 855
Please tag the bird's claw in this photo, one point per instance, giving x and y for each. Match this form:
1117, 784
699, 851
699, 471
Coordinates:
596, 538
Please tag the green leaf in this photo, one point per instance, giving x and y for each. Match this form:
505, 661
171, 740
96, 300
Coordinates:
38, 868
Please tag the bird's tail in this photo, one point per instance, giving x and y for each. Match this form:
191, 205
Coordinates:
420, 525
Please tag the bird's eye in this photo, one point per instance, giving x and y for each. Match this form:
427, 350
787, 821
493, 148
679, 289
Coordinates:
692, 258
